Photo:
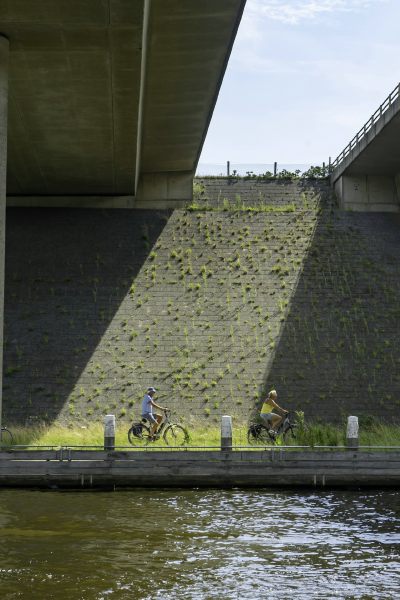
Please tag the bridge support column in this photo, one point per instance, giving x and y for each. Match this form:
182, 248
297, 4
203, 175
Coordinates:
372, 193
164, 190
4, 50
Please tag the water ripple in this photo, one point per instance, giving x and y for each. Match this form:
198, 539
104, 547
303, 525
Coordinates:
197, 544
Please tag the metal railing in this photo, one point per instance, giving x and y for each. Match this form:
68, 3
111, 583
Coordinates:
66, 452
393, 96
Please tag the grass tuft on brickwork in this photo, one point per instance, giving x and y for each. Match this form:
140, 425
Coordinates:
240, 206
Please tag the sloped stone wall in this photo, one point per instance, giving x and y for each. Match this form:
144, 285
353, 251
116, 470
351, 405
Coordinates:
269, 287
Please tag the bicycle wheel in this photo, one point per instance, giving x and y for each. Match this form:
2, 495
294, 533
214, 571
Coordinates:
139, 435
176, 435
6, 438
252, 433
289, 433
258, 435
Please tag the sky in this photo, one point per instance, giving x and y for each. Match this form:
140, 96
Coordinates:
303, 77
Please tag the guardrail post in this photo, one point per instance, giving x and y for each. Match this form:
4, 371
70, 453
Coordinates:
226, 433
109, 432
352, 433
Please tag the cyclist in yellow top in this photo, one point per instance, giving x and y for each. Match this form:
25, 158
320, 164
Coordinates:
267, 414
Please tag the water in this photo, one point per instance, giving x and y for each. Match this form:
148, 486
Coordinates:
199, 545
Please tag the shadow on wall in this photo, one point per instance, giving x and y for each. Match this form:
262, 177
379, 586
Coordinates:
339, 351
67, 271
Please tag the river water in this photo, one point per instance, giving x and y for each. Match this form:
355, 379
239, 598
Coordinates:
199, 544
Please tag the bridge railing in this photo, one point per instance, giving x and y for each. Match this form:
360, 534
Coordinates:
393, 96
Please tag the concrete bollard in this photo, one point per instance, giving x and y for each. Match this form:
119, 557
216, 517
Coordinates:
226, 433
109, 432
352, 433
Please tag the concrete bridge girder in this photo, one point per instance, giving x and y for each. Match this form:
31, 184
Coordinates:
371, 193
4, 63
368, 179
109, 96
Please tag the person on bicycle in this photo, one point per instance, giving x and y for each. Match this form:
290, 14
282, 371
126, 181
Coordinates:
147, 411
271, 418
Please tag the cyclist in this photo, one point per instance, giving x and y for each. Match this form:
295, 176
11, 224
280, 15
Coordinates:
267, 414
147, 411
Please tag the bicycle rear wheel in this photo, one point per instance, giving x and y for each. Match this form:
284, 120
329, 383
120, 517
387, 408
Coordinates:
139, 435
258, 435
6, 437
176, 435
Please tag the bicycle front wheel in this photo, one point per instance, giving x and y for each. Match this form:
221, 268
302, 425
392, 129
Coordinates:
289, 434
6, 438
176, 435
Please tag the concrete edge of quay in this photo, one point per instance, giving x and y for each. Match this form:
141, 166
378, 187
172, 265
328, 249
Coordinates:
275, 467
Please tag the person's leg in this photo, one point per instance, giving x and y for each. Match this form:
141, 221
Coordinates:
156, 424
276, 421
153, 423
270, 420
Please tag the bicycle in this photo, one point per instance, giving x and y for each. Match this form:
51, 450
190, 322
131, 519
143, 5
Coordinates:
6, 437
258, 433
172, 433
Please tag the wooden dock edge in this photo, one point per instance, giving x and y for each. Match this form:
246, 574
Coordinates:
93, 469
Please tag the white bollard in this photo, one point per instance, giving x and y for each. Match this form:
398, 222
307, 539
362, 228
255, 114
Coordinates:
226, 433
352, 433
109, 432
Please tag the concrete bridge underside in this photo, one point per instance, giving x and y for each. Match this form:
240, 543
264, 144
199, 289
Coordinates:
111, 98
368, 177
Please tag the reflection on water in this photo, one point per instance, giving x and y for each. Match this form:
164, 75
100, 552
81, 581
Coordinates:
199, 545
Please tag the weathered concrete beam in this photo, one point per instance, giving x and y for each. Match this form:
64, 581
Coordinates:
164, 190
143, 77
4, 59
372, 193
105, 91
71, 201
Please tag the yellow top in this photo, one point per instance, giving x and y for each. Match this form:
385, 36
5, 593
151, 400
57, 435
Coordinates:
266, 408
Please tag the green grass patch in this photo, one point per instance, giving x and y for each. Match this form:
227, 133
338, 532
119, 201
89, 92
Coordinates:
229, 206
322, 434
202, 436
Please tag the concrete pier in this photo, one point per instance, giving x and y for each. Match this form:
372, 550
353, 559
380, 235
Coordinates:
4, 59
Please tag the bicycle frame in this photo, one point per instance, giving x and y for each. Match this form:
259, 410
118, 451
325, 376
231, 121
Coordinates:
175, 432
255, 430
165, 421
284, 424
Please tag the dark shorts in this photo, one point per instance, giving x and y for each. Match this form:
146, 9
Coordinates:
150, 417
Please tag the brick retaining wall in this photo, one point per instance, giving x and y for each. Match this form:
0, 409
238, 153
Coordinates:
212, 307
